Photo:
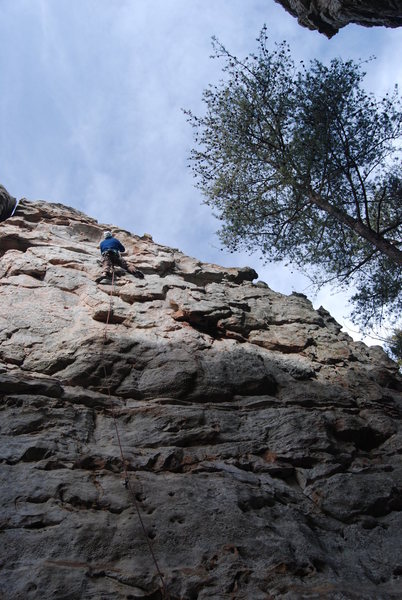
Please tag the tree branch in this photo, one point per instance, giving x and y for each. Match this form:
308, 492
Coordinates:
358, 227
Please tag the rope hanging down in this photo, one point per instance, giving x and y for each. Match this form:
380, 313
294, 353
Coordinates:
127, 482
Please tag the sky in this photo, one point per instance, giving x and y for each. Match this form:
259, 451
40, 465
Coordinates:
91, 101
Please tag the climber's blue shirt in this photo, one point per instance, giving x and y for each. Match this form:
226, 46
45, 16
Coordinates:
111, 244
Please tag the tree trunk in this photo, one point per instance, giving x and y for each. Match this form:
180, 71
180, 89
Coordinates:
360, 228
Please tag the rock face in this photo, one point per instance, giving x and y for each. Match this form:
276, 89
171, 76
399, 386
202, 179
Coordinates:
328, 16
263, 446
7, 204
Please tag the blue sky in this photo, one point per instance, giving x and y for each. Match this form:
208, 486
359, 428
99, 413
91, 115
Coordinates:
91, 99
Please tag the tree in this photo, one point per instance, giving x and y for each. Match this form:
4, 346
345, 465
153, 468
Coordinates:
302, 163
394, 346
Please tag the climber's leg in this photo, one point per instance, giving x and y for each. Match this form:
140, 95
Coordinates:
123, 264
132, 270
107, 267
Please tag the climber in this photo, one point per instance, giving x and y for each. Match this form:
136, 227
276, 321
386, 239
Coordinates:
110, 249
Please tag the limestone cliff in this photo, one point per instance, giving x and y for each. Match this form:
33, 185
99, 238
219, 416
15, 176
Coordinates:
328, 16
263, 445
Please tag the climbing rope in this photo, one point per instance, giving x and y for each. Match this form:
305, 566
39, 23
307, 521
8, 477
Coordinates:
127, 482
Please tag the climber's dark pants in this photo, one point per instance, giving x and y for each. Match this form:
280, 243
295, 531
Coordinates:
113, 259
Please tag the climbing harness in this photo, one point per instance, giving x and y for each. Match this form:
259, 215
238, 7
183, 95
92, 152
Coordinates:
127, 482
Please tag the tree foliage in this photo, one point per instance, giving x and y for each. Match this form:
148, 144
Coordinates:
394, 346
302, 163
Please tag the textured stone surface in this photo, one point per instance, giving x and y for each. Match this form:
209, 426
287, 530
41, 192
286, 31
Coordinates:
263, 444
328, 16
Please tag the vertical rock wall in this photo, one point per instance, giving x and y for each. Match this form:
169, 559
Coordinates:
263, 445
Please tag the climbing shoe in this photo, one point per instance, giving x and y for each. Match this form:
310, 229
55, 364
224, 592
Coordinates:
137, 273
106, 276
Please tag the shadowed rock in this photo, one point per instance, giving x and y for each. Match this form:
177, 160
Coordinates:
7, 204
262, 444
328, 16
